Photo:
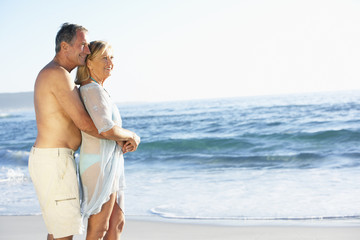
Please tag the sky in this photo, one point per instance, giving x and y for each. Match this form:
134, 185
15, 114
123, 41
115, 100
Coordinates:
168, 50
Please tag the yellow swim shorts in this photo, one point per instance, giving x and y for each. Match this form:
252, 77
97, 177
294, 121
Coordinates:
53, 173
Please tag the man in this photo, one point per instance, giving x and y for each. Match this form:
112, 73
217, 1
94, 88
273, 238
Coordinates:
60, 115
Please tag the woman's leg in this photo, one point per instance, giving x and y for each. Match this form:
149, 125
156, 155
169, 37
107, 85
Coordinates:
116, 225
51, 237
98, 224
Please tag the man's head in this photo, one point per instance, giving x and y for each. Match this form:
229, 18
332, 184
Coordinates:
71, 39
67, 33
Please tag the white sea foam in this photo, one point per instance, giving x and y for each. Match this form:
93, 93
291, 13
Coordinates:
17, 192
274, 194
13, 175
4, 115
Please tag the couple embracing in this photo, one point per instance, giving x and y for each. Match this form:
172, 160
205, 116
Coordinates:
66, 117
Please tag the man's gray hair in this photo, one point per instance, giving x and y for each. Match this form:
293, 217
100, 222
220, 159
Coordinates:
67, 33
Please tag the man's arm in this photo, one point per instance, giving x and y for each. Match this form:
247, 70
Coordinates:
66, 92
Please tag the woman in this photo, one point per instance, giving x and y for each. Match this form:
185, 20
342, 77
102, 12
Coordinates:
101, 161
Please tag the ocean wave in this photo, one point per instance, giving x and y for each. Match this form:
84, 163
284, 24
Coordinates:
341, 135
4, 115
223, 161
16, 158
9, 115
259, 143
196, 144
294, 135
159, 211
252, 139
214, 157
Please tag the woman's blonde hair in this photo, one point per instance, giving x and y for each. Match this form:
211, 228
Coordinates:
96, 48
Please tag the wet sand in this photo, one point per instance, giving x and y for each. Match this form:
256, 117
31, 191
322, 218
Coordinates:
33, 228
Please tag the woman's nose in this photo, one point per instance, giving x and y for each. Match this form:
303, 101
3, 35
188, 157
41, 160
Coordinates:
110, 62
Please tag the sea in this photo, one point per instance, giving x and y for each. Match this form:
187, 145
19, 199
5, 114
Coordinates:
289, 158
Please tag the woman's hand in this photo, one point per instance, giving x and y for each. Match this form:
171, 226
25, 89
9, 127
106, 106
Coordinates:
120, 143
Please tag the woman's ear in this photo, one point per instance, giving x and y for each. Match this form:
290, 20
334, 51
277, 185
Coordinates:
89, 63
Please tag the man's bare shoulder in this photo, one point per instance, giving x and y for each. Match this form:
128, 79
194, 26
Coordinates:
53, 71
53, 77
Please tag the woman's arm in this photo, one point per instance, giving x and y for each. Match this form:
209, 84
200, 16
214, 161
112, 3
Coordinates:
99, 106
122, 135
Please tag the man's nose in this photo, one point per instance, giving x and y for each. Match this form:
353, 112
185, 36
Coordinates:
87, 49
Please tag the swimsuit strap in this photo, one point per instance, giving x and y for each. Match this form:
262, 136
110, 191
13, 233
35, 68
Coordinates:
95, 80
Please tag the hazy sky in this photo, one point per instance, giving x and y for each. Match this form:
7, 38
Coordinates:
186, 49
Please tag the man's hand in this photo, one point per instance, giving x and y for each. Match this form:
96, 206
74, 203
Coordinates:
132, 144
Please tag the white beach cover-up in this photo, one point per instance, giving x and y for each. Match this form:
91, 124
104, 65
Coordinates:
101, 162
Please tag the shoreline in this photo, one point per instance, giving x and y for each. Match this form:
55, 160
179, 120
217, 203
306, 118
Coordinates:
250, 222
33, 228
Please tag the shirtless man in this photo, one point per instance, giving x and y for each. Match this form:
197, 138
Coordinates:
60, 115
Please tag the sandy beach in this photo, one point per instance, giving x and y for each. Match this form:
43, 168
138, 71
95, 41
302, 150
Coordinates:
33, 228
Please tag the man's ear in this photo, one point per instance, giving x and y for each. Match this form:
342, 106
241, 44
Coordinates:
64, 46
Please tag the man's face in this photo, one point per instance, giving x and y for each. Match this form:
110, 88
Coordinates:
79, 49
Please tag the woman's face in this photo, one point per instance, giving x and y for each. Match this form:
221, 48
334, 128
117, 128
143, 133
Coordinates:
101, 66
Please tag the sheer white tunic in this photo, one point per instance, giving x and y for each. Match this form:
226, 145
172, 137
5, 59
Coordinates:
101, 162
